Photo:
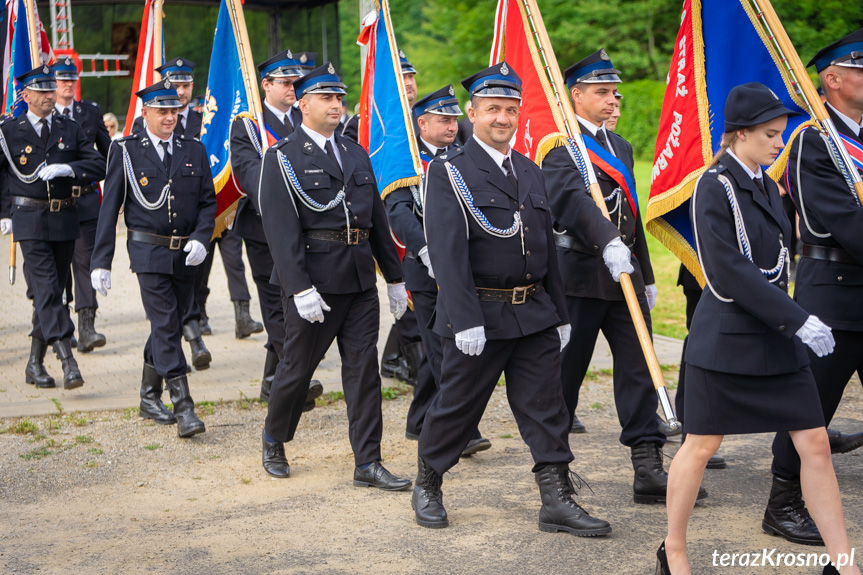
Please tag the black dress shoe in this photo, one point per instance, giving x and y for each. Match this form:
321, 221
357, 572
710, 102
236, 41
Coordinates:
667, 431
842, 443
475, 446
273, 458
662, 561
716, 462
315, 391
577, 425
376, 475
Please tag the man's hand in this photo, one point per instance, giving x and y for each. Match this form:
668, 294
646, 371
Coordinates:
100, 279
52, 171
197, 253
471, 341
398, 297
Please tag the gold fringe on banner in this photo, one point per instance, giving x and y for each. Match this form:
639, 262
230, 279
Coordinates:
401, 183
778, 168
225, 219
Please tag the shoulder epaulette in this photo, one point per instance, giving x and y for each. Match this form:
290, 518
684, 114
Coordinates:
716, 170
450, 154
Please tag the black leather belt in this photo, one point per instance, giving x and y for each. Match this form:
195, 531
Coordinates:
829, 254
352, 238
78, 191
170, 242
50, 205
517, 295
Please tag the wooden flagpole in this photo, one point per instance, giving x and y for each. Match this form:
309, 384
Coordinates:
801, 80
556, 79
247, 65
157, 33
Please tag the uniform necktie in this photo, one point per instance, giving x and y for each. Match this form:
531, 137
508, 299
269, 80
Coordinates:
507, 167
166, 156
45, 129
328, 148
66, 113
439, 152
181, 128
600, 137
759, 183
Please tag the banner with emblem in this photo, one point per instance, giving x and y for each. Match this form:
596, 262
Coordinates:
386, 127
229, 94
541, 124
17, 58
708, 62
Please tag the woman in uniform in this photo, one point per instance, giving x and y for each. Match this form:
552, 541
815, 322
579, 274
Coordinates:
747, 369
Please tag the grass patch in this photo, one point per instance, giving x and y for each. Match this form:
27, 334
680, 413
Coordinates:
90, 464
246, 402
669, 314
505, 436
82, 439
57, 404
130, 413
329, 398
246, 480
95, 451
80, 421
37, 453
205, 408
597, 405
396, 391
153, 446
502, 381
23, 427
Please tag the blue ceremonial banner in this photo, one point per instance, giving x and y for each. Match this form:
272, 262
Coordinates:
20, 63
386, 128
226, 97
721, 44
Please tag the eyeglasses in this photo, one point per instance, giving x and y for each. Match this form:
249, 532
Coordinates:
282, 82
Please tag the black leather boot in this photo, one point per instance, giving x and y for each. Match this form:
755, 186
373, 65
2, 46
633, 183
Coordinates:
35, 372
204, 321
201, 357
651, 480
427, 498
88, 338
786, 514
577, 425
559, 512
71, 374
188, 423
151, 398
270, 365
414, 354
245, 325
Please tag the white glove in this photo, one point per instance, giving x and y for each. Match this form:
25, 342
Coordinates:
471, 341
197, 253
100, 279
424, 257
617, 258
651, 292
817, 335
398, 297
6, 226
310, 305
563, 331
52, 171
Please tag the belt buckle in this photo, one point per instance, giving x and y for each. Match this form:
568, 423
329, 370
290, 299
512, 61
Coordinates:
353, 237
54, 205
76, 191
176, 242
519, 295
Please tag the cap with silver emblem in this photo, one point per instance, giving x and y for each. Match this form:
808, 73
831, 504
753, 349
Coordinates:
40, 79
177, 70
846, 52
322, 80
307, 60
441, 102
495, 81
595, 69
407, 67
65, 69
162, 94
283, 65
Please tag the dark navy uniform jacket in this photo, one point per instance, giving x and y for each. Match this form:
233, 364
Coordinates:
192, 206
584, 271
192, 130
89, 115
407, 225
67, 144
246, 167
754, 334
330, 266
464, 256
830, 217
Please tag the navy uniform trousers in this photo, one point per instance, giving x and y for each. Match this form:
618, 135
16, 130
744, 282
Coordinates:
165, 297
354, 322
47, 272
